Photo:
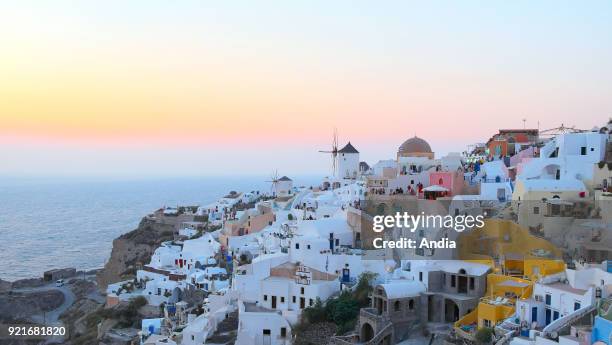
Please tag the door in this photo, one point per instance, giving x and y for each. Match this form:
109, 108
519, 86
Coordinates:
302, 302
273, 302
534, 314
346, 275
501, 194
547, 316
267, 339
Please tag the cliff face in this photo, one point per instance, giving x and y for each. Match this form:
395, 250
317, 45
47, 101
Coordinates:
132, 248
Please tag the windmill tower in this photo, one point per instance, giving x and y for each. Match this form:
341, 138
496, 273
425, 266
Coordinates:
348, 162
333, 152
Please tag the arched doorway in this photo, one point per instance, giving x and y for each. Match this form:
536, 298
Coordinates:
367, 333
451, 311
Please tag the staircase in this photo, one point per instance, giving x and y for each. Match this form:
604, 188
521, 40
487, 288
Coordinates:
552, 330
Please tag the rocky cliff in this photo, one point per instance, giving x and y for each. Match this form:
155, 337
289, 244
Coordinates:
134, 248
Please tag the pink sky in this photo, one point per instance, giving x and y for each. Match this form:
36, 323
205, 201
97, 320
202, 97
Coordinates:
110, 88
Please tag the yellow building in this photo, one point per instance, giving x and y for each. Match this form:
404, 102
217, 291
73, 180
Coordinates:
518, 259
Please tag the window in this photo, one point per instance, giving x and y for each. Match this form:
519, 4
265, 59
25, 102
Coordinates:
411, 304
310, 302
337, 241
293, 299
555, 210
453, 278
548, 299
576, 305
555, 315
193, 337
283, 332
302, 290
471, 283
486, 323
583, 151
397, 305
308, 246
265, 297
266, 332
420, 276
297, 246
282, 299
536, 210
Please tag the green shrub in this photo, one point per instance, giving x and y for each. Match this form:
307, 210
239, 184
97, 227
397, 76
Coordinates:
364, 288
484, 335
316, 313
342, 309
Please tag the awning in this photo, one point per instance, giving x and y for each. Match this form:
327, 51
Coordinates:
435, 188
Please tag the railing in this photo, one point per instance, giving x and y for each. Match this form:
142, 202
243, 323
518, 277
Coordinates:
370, 313
377, 339
343, 339
464, 334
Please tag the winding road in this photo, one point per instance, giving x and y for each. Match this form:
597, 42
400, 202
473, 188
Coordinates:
51, 317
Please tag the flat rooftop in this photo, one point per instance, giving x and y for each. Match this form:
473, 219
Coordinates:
567, 287
250, 307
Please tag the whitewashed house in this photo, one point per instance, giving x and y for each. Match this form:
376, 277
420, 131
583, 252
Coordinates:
261, 326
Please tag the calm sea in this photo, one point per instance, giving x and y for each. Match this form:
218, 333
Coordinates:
59, 222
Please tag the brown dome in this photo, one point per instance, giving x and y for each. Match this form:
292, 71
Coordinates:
414, 145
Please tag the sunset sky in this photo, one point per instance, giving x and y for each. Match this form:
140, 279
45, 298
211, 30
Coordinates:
210, 88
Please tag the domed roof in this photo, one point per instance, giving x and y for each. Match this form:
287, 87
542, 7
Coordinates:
415, 144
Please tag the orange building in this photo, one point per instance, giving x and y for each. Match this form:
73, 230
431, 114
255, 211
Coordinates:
503, 143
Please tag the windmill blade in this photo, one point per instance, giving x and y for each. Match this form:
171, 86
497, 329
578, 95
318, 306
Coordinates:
274, 181
335, 142
333, 151
334, 164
